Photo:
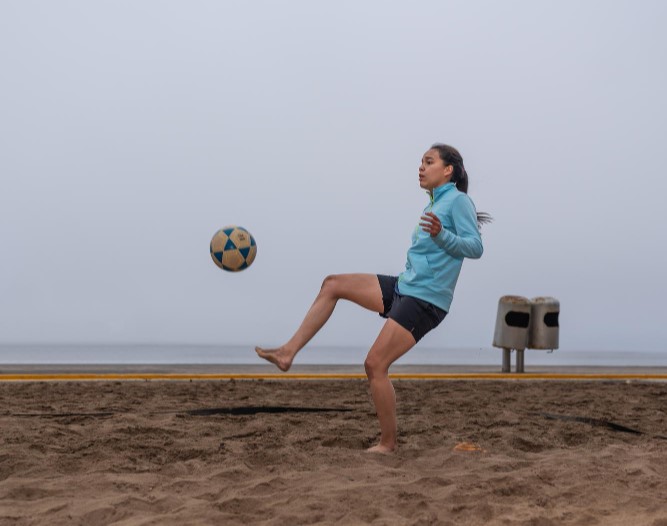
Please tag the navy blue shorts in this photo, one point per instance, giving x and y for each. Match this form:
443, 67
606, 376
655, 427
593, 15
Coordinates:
415, 315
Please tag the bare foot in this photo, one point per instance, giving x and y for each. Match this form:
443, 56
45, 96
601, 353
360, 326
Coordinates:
280, 357
384, 450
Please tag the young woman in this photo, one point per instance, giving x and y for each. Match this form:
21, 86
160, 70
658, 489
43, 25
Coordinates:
419, 298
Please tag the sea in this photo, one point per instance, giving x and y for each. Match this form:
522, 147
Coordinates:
163, 354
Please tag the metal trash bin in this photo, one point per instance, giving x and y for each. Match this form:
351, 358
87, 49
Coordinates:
512, 324
543, 333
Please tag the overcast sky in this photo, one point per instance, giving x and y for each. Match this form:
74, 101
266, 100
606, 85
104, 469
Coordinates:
130, 131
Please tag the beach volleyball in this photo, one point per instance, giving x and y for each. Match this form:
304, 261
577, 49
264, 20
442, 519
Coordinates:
233, 248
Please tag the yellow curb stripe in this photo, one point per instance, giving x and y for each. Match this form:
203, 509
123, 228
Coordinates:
326, 376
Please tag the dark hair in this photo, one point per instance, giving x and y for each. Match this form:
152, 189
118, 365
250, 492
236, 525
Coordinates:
451, 157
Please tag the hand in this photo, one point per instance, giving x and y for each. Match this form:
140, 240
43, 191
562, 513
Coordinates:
431, 224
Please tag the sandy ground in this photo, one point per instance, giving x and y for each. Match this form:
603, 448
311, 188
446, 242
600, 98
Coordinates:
292, 452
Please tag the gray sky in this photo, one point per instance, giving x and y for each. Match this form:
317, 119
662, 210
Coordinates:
131, 131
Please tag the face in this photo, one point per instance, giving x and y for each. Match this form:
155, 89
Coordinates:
433, 172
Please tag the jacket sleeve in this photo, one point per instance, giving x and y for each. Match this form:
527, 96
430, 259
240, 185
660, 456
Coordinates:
465, 241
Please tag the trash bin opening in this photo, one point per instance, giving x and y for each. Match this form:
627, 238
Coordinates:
551, 319
517, 319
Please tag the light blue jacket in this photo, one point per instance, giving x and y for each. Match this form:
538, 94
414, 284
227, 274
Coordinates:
434, 263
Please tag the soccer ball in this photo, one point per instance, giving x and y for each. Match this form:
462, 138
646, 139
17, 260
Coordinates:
233, 248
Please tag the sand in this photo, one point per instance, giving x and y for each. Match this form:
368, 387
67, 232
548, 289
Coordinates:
292, 452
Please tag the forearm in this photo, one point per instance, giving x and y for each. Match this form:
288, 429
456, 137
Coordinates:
463, 246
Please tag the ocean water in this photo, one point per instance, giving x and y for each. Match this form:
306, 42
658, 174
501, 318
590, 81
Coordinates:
97, 354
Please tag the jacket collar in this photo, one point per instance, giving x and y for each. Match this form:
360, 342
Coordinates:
440, 190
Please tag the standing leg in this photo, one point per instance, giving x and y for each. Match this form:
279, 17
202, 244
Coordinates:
362, 289
392, 343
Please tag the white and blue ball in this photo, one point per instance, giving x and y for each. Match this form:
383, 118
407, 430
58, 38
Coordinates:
233, 248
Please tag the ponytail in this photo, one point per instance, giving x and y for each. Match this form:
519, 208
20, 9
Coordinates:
451, 157
460, 178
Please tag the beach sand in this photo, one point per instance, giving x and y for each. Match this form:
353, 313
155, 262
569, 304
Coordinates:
292, 452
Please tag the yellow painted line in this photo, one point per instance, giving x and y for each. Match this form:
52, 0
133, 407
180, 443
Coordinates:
327, 376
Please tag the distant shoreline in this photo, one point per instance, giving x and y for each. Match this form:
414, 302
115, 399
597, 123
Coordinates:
216, 356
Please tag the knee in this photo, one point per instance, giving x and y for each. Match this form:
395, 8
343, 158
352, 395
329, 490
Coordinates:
330, 286
375, 368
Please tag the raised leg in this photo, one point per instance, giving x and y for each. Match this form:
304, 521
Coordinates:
392, 343
362, 289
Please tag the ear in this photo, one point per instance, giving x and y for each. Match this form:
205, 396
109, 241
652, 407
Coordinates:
449, 170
